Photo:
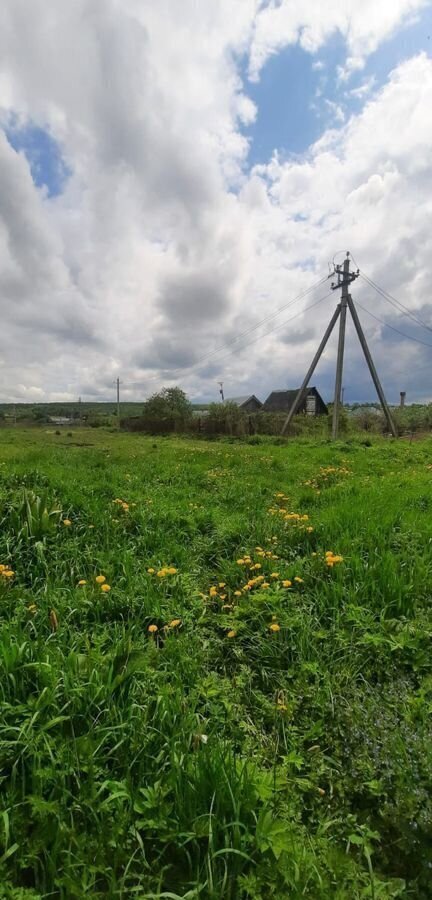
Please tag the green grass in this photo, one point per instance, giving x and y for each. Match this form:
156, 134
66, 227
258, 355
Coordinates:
183, 763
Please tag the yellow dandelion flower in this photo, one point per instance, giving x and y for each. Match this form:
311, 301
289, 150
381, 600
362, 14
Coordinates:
213, 592
175, 623
161, 573
223, 596
231, 634
286, 583
82, 581
298, 580
32, 608
2, 567
67, 522
265, 585
274, 626
8, 573
274, 575
221, 584
152, 629
151, 571
100, 579
237, 593
171, 570
240, 562
105, 588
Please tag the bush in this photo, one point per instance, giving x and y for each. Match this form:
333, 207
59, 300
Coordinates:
169, 403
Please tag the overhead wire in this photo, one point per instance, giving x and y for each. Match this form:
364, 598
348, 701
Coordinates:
247, 344
280, 326
208, 356
402, 333
396, 303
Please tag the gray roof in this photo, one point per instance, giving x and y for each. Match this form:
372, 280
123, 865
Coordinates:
240, 400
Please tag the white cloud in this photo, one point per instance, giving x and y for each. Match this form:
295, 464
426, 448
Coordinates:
162, 247
363, 25
363, 89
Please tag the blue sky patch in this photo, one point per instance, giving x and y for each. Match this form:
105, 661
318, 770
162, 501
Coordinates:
300, 95
47, 166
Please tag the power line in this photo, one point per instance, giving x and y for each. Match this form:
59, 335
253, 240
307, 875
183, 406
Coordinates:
409, 337
249, 343
396, 303
208, 356
278, 327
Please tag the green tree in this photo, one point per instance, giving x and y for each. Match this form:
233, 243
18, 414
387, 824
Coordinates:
169, 403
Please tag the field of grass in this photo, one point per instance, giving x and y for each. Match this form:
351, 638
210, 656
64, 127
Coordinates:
197, 701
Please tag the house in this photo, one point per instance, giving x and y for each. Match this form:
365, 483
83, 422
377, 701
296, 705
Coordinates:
248, 404
282, 401
60, 420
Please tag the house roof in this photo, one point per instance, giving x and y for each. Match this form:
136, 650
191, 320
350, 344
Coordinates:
239, 401
282, 400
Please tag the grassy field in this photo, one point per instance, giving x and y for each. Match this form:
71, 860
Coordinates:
215, 668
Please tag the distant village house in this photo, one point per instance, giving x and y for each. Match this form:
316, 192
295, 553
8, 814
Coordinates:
248, 404
60, 420
282, 401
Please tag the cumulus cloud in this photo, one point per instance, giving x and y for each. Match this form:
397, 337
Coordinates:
363, 25
163, 246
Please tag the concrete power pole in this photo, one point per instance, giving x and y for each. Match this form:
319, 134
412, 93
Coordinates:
345, 278
341, 347
118, 402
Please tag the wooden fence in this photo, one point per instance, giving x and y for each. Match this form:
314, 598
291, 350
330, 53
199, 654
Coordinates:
244, 426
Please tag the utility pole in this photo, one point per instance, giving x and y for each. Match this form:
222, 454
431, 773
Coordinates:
221, 390
118, 402
345, 278
79, 412
372, 369
341, 345
311, 370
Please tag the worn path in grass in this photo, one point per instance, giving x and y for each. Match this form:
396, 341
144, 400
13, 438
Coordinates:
235, 701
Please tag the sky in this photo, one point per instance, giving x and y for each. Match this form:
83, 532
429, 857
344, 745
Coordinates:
177, 182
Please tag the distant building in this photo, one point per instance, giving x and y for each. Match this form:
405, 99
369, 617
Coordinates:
365, 410
248, 404
60, 420
282, 401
